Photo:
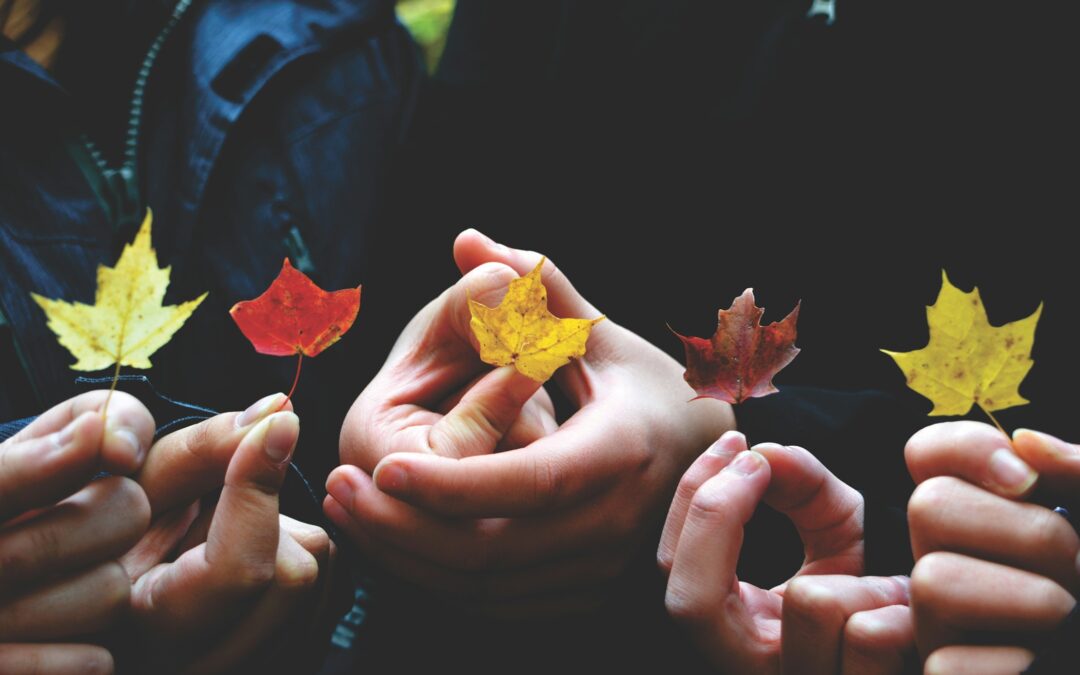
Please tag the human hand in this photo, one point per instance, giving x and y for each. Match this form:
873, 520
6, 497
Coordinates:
825, 619
62, 531
541, 529
988, 564
243, 570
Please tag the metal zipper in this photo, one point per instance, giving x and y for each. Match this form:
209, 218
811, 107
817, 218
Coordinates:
122, 182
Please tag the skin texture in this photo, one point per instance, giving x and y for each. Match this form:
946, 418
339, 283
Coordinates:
825, 619
987, 561
62, 532
211, 585
544, 526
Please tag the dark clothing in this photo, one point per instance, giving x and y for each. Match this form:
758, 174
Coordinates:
269, 129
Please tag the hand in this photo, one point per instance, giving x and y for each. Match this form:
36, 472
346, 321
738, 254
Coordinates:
986, 561
243, 570
62, 531
825, 619
544, 528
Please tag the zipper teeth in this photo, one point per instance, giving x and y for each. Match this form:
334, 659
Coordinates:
131, 139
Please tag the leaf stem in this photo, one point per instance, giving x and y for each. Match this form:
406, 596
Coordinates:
994, 420
299, 362
112, 388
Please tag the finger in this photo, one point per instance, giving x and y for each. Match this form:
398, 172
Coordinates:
472, 249
534, 422
948, 514
480, 420
703, 570
297, 573
977, 453
555, 472
826, 512
715, 458
190, 462
79, 605
238, 560
98, 523
41, 471
128, 432
536, 419
878, 642
952, 595
965, 660
473, 545
1056, 461
816, 610
55, 659
162, 538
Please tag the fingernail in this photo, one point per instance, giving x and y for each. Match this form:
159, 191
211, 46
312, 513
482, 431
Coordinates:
723, 445
1010, 472
281, 436
746, 463
489, 241
390, 478
259, 409
340, 489
1050, 444
128, 438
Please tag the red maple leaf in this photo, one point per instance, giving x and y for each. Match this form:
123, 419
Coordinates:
742, 357
295, 316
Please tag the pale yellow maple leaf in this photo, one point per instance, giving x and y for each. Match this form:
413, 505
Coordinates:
127, 322
968, 361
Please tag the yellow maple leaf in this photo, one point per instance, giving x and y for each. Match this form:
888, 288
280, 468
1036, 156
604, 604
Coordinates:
521, 331
968, 361
127, 322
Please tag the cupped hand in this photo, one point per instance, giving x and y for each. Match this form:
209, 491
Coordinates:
542, 528
827, 618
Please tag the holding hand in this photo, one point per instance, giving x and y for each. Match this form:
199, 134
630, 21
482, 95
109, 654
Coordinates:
63, 531
989, 564
243, 570
544, 527
826, 619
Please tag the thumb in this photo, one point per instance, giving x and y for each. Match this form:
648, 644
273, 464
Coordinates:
472, 249
1057, 462
483, 415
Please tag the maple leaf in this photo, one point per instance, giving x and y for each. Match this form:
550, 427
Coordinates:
127, 322
521, 331
741, 358
295, 316
967, 361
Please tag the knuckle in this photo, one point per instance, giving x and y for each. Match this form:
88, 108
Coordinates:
133, 502
930, 579
929, 499
807, 599
1051, 534
254, 576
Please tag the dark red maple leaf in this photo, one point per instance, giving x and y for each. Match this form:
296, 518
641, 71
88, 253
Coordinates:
742, 357
295, 316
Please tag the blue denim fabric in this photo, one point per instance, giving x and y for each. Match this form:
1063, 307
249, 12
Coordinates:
270, 130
